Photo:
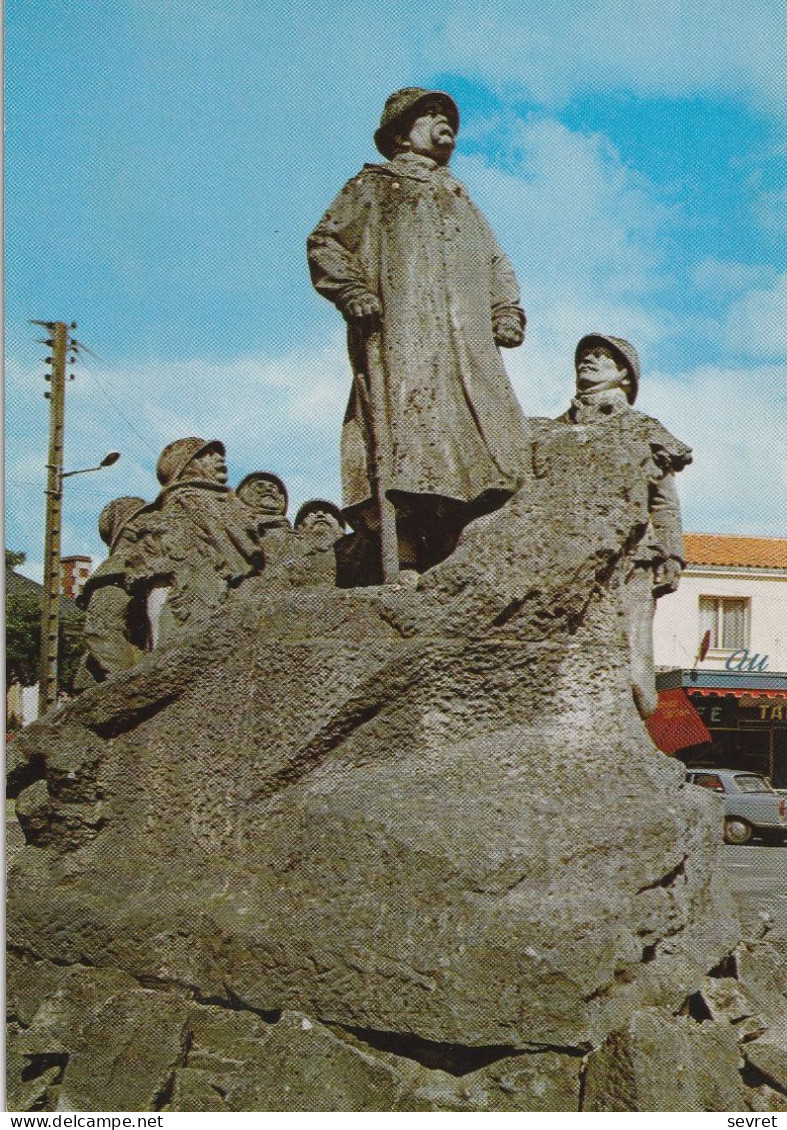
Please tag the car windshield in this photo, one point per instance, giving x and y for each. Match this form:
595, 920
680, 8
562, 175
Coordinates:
748, 783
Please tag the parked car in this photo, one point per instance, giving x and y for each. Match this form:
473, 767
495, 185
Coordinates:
751, 806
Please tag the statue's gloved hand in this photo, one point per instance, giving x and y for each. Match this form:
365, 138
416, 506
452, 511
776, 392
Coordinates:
365, 309
508, 330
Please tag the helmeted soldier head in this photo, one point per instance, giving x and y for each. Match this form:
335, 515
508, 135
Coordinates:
192, 458
595, 373
404, 107
264, 493
318, 513
115, 517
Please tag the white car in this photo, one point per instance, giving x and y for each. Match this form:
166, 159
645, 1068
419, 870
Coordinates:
751, 806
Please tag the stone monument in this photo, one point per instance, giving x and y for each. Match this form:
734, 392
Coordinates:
433, 431
333, 845
116, 630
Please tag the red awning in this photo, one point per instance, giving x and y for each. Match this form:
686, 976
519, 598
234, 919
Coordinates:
676, 724
737, 692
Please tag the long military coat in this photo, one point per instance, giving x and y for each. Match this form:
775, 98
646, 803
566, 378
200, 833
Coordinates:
408, 233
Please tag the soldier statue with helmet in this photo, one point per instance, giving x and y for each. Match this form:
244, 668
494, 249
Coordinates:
193, 542
433, 435
115, 633
320, 520
263, 502
264, 495
607, 383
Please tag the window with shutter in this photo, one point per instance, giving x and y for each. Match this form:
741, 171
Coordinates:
727, 620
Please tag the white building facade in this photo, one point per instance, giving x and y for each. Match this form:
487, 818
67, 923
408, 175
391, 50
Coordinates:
742, 606
720, 645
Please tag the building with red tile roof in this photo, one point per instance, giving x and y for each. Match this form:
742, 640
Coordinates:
732, 549
720, 644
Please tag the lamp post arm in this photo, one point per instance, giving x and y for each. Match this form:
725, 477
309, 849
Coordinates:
81, 471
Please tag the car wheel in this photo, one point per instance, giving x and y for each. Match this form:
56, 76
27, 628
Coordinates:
736, 831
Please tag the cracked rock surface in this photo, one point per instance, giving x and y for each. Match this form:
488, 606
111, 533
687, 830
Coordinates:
82, 1038
380, 849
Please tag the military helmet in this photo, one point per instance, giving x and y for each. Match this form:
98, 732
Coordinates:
319, 504
116, 515
623, 350
402, 104
177, 455
267, 476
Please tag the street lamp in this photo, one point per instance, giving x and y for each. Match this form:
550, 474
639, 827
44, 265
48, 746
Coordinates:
50, 597
110, 458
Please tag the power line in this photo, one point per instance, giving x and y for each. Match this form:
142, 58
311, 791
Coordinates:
81, 350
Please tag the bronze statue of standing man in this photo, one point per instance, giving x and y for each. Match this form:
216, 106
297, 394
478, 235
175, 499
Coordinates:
433, 429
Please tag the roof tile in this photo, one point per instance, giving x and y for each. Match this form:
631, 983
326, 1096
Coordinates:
726, 549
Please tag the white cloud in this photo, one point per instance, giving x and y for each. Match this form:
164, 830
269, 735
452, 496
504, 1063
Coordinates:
736, 422
722, 278
756, 324
673, 48
580, 228
550, 48
256, 400
770, 209
273, 413
570, 213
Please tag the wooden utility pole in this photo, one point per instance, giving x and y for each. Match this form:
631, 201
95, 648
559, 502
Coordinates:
59, 340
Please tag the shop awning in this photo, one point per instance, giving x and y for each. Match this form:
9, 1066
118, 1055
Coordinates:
676, 724
750, 694
736, 683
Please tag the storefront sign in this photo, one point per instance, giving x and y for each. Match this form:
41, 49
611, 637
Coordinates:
728, 711
741, 661
717, 711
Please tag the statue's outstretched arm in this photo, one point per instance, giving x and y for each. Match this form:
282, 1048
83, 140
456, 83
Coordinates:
664, 506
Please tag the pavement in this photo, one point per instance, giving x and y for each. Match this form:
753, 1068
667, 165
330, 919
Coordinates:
757, 876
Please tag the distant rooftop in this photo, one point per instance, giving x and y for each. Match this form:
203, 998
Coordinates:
729, 549
18, 583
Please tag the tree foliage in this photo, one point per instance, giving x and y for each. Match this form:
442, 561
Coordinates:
23, 634
70, 650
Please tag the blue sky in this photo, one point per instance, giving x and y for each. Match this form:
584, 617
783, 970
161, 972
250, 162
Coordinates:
166, 159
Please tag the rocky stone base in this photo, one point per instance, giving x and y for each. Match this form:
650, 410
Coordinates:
383, 849
83, 1038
